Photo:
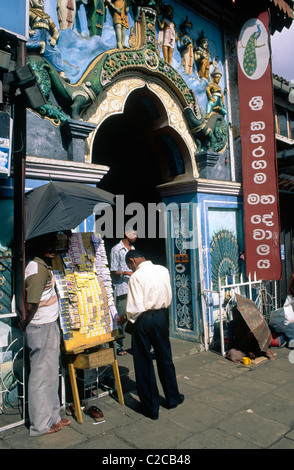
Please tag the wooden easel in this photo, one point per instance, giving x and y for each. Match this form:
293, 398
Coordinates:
87, 351
92, 356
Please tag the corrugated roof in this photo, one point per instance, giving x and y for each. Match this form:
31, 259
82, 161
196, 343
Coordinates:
285, 7
229, 13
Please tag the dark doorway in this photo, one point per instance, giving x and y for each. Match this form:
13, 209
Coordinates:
122, 143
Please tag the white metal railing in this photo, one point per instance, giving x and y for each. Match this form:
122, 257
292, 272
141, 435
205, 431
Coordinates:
15, 346
17, 380
243, 287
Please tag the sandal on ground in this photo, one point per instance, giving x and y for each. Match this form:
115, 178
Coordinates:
121, 352
95, 413
71, 410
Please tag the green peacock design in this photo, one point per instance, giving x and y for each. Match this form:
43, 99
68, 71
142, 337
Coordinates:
224, 256
250, 59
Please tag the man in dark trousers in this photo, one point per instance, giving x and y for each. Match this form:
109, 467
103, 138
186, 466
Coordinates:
149, 296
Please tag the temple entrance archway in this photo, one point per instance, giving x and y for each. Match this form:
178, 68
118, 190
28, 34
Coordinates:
143, 150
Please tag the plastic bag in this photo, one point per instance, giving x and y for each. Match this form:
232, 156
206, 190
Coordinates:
289, 310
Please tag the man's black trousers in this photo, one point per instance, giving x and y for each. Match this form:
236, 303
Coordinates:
151, 329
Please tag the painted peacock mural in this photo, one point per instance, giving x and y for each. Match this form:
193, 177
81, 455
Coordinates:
224, 256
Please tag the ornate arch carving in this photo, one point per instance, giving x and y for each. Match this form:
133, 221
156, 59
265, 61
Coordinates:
113, 102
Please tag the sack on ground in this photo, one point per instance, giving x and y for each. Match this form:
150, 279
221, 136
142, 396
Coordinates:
235, 355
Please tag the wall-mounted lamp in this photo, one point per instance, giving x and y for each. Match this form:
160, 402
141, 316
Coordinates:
25, 81
4, 61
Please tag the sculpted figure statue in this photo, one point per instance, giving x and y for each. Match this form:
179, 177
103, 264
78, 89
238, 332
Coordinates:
185, 46
44, 36
66, 12
202, 57
167, 33
216, 100
119, 11
95, 11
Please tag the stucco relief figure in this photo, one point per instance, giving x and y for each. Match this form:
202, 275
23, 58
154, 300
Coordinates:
216, 99
167, 33
44, 36
66, 12
119, 11
185, 46
95, 12
202, 57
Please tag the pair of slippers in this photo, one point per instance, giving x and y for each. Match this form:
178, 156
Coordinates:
93, 411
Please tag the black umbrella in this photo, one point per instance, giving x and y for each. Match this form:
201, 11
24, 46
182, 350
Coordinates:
59, 206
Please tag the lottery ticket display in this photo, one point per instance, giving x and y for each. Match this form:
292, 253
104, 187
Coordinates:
84, 287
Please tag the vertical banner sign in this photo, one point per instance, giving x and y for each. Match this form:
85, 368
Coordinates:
261, 214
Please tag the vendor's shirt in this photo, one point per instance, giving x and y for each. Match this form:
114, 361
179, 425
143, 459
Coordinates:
149, 289
40, 289
118, 263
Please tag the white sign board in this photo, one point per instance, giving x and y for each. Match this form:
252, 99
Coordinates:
5, 144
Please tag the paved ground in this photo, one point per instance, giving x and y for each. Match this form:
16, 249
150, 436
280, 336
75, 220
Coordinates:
227, 406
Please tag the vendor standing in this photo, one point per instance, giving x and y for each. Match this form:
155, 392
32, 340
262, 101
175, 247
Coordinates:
121, 275
42, 336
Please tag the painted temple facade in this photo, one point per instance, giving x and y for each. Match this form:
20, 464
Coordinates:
142, 100
152, 124
149, 122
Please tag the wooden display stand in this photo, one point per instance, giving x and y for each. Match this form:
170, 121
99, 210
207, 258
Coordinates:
88, 337
91, 356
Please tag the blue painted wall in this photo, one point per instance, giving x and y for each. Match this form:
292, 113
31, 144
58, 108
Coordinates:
205, 215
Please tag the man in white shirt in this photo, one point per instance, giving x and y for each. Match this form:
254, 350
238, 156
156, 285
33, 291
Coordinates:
121, 275
149, 296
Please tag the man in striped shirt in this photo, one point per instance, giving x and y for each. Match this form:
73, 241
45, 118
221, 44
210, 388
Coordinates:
42, 336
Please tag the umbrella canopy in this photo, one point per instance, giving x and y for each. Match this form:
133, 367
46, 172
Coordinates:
255, 321
58, 206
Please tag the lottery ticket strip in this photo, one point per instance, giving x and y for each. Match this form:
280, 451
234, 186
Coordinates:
87, 309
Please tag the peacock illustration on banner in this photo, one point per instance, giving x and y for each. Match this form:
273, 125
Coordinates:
250, 60
224, 257
253, 49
